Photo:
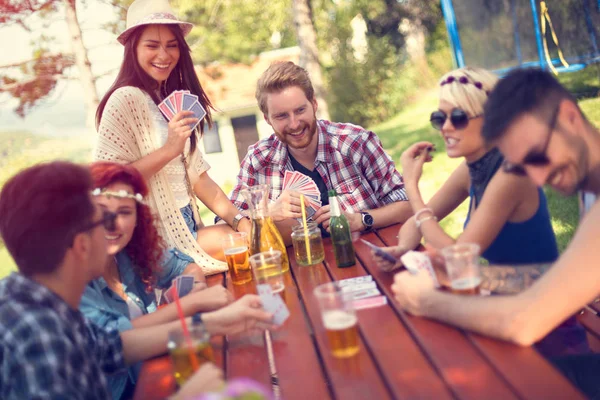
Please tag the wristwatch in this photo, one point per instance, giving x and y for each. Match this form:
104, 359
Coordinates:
367, 220
236, 221
197, 319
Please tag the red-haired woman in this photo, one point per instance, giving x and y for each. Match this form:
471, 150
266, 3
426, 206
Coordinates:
132, 130
123, 298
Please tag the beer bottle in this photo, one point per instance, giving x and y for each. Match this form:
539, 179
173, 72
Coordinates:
340, 234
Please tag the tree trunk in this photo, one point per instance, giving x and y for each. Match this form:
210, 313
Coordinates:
88, 82
309, 54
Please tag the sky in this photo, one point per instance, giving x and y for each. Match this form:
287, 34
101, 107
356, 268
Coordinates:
63, 113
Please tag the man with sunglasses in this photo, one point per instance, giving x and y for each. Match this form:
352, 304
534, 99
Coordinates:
538, 126
48, 350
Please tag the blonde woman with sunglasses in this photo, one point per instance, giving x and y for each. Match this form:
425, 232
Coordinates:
508, 215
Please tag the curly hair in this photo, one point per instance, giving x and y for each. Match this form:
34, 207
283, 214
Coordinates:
146, 246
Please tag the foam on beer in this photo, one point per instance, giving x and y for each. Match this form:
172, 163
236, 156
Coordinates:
337, 320
236, 250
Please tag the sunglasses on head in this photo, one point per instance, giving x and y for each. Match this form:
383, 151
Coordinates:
459, 118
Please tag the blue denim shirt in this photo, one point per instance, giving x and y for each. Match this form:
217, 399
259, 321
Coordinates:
107, 309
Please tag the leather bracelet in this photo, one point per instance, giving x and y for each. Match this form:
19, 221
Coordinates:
419, 222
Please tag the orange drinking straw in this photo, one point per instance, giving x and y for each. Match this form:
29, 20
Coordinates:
186, 333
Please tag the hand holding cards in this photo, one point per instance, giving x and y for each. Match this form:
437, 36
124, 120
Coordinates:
183, 284
297, 181
415, 261
182, 100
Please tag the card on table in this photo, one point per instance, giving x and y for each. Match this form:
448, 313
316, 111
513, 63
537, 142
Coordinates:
354, 281
370, 302
273, 303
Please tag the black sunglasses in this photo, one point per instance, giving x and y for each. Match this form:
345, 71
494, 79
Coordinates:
108, 221
459, 118
537, 158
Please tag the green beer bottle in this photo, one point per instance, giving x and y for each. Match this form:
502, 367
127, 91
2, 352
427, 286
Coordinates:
340, 234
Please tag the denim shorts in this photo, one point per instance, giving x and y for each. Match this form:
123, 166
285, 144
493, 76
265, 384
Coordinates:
188, 216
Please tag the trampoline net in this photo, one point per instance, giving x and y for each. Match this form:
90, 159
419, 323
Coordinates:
497, 34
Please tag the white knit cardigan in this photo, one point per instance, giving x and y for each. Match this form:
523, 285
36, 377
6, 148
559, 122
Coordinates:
125, 135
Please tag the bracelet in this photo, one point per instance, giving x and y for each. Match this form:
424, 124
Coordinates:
422, 210
419, 222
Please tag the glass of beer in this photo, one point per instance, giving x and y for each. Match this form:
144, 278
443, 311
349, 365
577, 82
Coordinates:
235, 248
462, 266
308, 242
182, 350
266, 267
339, 319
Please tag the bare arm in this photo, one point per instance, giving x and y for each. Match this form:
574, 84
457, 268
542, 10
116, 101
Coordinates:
214, 198
179, 132
525, 318
203, 300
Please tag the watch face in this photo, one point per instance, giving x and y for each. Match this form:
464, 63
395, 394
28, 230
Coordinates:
367, 219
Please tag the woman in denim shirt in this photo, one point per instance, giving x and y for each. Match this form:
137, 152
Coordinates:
123, 298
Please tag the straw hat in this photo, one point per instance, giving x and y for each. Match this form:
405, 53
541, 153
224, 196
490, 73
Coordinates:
147, 12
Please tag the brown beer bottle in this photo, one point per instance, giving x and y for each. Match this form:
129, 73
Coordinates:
340, 234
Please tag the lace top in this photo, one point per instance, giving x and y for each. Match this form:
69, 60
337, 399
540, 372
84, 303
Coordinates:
175, 169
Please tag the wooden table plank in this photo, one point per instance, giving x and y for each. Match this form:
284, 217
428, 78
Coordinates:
406, 370
457, 360
352, 378
535, 378
300, 374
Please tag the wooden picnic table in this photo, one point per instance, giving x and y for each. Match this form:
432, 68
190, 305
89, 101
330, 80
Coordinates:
401, 356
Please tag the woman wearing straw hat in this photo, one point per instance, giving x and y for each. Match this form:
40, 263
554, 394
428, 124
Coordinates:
132, 130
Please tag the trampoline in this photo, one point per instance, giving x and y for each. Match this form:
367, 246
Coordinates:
560, 35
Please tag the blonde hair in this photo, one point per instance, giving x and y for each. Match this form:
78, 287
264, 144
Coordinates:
467, 88
281, 75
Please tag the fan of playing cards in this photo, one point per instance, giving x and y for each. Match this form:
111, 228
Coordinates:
294, 180
181, 100
183, 284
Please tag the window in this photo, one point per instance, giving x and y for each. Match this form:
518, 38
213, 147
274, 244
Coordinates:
212, 141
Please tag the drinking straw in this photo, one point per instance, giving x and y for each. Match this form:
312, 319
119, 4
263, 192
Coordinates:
306, 238
186, 333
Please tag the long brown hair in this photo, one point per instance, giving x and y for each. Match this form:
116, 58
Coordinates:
183, 77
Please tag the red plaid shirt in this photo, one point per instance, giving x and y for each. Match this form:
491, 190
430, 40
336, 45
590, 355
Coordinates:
350, 159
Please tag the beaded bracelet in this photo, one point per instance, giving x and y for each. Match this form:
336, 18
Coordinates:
419, 222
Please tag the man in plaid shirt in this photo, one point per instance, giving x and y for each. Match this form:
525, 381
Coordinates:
48, 349
343, 157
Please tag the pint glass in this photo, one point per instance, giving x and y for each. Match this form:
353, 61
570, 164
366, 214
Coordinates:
266, 267
462, 265
339, 319
235, 248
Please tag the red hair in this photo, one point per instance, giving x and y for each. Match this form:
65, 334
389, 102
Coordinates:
146, 246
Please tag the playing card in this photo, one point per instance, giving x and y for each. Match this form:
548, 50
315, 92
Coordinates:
167, 112
199, 113
169, 297
363, 294
186, 284
354, 281
370, 302
415, 261
357, 287
383, 254
177, 100
188, 101
273, 303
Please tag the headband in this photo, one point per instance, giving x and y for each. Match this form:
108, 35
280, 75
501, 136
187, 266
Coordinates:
464, 80
122, 194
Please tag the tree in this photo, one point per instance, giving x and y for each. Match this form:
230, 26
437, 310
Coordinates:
309, 53
33, 80
233, 31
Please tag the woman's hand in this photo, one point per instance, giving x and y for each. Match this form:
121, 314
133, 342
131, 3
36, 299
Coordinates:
412, 161
212, 298
180, 129
383, 264
245, 315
